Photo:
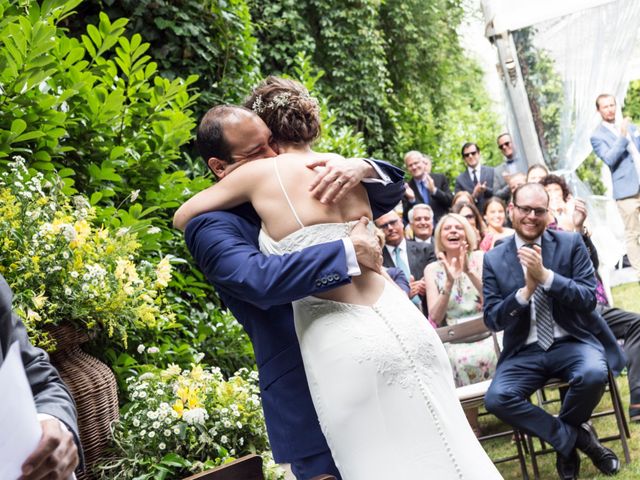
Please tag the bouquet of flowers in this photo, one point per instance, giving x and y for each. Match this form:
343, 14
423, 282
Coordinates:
184, 421
62, 268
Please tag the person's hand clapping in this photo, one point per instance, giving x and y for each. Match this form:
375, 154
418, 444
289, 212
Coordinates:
479, 189
338, 176
55, 457
579, 214
624, 126
409, 193
531, 259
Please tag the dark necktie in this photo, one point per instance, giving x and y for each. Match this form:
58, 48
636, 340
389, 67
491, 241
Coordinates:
474, 177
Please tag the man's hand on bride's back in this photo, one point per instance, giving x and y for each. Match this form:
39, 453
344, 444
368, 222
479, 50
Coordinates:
338, 176
368, 250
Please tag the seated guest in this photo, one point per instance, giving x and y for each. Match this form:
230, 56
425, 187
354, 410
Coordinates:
409, 256
57, 454
536, 173
561, 204
421, 221
454, 293
462, 196
393, 274
625, 325
546, 309
495, 214
471, 213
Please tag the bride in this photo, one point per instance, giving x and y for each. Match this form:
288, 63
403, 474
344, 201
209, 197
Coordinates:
379, 376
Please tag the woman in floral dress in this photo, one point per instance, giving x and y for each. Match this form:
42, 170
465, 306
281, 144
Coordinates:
454, 295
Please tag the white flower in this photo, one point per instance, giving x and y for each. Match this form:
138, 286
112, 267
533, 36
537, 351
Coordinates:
239, 425
152, 434
140, 348
134, 195
162, 446
167, 432
176, 430
224, 439
152, 230
156, 424
195, 416
136, 422
142, 394
122, 231
65, 255
153, 350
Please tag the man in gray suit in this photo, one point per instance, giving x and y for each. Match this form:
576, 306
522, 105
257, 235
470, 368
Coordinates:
513, 164
618, 145
409, 256
57, 454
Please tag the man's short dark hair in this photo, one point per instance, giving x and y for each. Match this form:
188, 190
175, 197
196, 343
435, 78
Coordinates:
602, 96
527, 186
467, 145
210, 138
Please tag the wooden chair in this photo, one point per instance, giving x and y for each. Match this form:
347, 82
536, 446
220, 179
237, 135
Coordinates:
617, 410
472, 396
245, 468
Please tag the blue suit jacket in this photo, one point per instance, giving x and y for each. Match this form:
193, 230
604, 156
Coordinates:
613, 151
258, 290
465, 182
572, 295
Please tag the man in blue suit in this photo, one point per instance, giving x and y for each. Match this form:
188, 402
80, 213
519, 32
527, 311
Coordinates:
258, 289
619, 147
539, 287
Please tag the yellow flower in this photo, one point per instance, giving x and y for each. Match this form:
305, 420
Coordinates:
197, 373
179, 407
163, 272
39, 300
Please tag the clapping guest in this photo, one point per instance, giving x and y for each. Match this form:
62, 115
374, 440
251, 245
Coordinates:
425, 186
454, 293
471, 213
495, 214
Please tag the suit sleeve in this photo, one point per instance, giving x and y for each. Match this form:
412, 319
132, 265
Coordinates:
502, 189
498, 311
443, 194
236, 267
384, 198
578, 291
611, 155
50, 394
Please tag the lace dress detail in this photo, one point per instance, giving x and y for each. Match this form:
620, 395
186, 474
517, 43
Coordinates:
381, 382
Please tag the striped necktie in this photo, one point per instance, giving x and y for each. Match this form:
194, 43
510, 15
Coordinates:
544, 320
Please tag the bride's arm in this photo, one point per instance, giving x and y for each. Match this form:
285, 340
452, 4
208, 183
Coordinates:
228, 192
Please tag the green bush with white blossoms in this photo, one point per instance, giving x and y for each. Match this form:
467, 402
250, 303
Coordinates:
184, 421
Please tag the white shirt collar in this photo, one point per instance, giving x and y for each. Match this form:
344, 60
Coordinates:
520, 242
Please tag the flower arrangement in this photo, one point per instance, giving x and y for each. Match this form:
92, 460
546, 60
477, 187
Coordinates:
63, 268
184, 421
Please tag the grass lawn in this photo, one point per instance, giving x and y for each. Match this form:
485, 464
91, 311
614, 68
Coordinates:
627, 297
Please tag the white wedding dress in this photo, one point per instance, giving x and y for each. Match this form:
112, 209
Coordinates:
381, 382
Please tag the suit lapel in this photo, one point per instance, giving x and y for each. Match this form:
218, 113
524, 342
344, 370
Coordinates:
387, 261
548, 250
512, 264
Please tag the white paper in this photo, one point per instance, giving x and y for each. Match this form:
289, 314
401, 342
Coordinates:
20, 430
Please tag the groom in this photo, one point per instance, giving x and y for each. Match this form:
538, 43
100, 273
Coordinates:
258, 289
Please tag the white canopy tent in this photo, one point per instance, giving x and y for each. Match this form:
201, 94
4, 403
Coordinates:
591, 43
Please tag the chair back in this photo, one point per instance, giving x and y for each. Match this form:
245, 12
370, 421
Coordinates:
468, 331
245, 468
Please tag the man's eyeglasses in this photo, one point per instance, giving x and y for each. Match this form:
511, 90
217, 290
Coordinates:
526, 211
390, 223
469, 154
505, 144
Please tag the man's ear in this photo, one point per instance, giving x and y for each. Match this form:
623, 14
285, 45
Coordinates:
217, 166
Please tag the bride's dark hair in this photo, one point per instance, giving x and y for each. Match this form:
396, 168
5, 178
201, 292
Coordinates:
286, 107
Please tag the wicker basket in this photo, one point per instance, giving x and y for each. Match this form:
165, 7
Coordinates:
94, 390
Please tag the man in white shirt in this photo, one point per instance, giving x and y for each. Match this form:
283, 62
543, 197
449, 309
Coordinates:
421, 221
476, 179
618, 145
512, 165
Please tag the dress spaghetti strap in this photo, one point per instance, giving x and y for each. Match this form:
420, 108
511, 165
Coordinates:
286, 196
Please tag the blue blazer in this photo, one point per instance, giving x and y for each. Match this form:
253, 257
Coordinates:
258, 290
572, 295
465, 182
613, 151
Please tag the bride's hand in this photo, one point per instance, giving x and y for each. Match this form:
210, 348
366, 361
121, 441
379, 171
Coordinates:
338, 176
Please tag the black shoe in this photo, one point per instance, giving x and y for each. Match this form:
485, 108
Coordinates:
568, 468
602, 457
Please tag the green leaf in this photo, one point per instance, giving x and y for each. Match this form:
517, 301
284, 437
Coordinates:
18, 126
95, 198
95, 34
66, 172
